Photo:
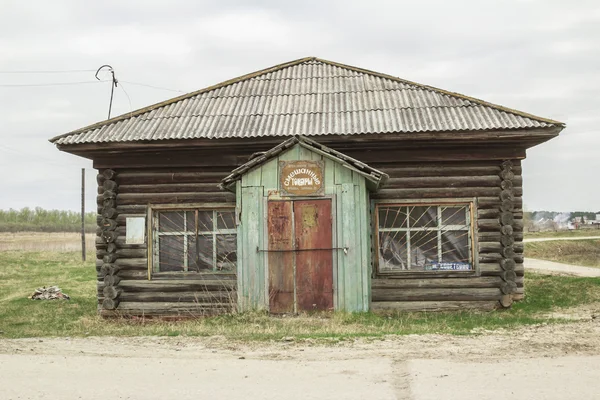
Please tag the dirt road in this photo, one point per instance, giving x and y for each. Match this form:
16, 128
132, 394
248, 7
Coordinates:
551, 267
548, 361
531, 240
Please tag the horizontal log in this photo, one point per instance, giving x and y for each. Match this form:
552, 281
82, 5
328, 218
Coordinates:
170, 188
193, 276
130, 274
448, 169
128, 263
221, 296
110, 304
187, 285
109, 173
124, 253
440, 294
436, 283
494, 269
429, 193
495, 202
489, 224
171, 309
494, 236
110, 185
497, 247
174, 198
122, 217
163, 177
120, 242
417, 306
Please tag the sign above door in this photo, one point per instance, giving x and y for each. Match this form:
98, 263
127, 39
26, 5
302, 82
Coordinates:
301, 178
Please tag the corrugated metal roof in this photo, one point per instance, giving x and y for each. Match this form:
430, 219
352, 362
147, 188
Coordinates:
308, 97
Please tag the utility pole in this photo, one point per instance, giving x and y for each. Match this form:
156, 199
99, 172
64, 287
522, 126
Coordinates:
83, 214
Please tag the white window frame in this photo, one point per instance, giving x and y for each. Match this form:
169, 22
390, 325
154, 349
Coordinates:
470, 224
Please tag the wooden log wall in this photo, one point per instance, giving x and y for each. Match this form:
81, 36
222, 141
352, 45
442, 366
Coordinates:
497, 187
123, 285
169, 177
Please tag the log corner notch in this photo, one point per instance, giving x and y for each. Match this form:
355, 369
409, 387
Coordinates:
507, 237
108, 233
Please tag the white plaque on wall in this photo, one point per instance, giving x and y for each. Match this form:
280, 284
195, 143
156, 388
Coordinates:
136, 230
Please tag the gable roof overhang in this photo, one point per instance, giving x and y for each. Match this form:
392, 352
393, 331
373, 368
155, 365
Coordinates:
375, 178
310, 97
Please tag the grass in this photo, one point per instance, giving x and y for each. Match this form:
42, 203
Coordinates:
576, 252
22, 272
563, 234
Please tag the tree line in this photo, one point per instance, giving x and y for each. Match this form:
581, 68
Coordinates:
41, 220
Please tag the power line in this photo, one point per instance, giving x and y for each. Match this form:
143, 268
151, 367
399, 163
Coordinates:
48, 71
49, 84
153, 87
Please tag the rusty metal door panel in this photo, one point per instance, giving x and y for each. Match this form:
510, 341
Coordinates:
314, 267
281, 263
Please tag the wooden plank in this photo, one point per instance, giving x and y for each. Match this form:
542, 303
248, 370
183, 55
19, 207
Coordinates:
270, 176
340, 255
364, 237
433, 193
241, 250
352, 284
342, 174
314, 268
281, 264
438, 294
252, 177
417, 306
253, 288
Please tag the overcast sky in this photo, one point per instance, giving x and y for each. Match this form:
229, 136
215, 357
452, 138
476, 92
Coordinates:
541, 57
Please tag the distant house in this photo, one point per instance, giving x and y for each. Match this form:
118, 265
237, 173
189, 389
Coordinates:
310, 185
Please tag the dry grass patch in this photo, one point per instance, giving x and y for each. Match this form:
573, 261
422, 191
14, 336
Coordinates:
576, 252
22, 272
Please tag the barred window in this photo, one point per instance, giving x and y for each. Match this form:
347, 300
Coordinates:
424, 237
194, 240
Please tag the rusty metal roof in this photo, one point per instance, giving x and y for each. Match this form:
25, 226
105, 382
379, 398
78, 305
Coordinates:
374, 176
309, 97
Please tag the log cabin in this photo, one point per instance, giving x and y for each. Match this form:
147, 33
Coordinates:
310, 185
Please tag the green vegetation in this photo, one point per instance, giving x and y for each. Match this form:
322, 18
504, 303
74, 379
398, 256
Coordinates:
40, 220
576, 252
563, 234
22, 272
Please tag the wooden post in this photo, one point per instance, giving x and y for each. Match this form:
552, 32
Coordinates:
83, 214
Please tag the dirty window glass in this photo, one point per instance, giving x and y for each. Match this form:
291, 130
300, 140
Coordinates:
424, 237
195, 240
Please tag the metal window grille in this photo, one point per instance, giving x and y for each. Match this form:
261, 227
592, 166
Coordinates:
424, 237
194, 240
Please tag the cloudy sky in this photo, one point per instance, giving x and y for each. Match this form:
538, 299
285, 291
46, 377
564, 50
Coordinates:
542, 57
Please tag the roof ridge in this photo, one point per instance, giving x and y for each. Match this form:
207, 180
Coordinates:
442, 91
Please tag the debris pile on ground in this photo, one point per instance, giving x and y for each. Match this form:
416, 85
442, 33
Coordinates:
49, 293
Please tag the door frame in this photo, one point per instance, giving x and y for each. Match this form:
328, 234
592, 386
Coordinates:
334, 244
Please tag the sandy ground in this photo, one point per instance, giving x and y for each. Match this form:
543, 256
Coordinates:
543, 266
539, 362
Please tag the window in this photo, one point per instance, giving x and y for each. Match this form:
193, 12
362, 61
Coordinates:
194, 240
424, 237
